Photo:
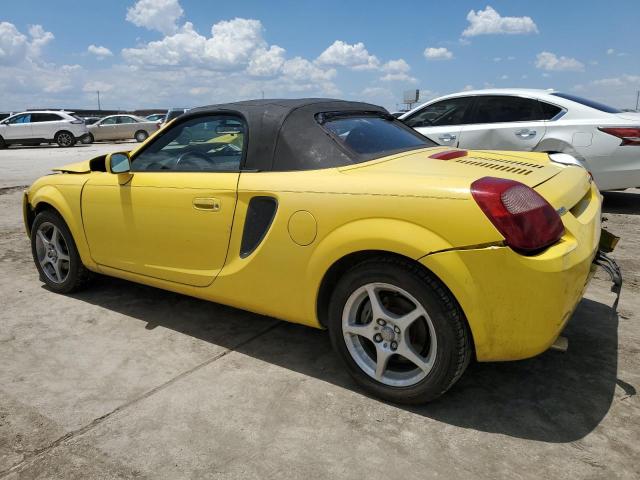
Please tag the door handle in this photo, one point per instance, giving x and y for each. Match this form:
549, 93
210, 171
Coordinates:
447, 137
206, 203
525, 133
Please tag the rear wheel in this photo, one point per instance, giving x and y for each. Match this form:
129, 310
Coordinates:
55, 254
3, 143
88, 138
65, 139
141, 136
399, 331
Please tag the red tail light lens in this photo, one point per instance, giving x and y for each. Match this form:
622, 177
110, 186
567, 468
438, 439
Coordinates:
526, 220
629, 135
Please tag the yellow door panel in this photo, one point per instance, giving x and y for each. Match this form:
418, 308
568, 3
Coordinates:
171, 226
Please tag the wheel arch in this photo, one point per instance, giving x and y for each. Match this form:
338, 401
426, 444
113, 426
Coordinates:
48, 197
355, 241
342, 265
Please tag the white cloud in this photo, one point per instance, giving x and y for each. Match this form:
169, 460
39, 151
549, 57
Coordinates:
397, 71
497, 59
266, 63
99, 51
437, 53
631, 80
550, 61
354, 56
467, 88
97, 85
504, 77
161, 15
489, 22
39, 38
610, 51
232, 45
16, 47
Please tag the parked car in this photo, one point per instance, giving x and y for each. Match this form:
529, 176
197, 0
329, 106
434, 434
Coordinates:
90, 120
606, 140
122, 127
335, 215
42, 126
156, 117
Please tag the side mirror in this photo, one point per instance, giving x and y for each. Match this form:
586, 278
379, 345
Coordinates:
118, 162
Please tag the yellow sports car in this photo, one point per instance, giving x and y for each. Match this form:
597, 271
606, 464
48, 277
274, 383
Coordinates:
335, 215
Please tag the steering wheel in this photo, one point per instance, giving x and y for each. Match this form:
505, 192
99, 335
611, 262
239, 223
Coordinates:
198, 160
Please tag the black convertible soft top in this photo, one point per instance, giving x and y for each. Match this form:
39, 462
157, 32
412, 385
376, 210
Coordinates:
285, 135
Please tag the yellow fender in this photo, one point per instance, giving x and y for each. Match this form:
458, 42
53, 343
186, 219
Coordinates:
383, 234
62, 199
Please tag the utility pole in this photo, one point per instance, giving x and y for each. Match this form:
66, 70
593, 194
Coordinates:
98, 92
637, 99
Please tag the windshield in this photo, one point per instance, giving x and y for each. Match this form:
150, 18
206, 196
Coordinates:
372, 135
588, 103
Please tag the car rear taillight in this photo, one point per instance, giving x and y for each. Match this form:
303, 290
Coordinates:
628, 135
526, 220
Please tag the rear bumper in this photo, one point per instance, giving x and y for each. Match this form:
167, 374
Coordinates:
516, 305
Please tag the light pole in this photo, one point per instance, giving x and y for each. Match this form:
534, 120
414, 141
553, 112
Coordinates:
98, 92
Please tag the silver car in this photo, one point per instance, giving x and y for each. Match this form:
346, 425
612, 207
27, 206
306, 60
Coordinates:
122, 127
603, 139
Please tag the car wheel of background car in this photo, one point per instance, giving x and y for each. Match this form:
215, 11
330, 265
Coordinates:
141, 136
2, 143
88, 138
55, 254
400, 332
65, 139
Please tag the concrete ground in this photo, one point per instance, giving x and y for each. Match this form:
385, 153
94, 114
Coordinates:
123, 381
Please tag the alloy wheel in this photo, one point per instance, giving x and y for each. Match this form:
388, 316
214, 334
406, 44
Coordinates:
389, 334
65, 139
52, 252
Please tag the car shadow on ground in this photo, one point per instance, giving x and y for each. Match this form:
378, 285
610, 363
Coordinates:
621, 202
555, 397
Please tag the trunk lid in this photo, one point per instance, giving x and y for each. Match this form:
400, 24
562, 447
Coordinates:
530, 168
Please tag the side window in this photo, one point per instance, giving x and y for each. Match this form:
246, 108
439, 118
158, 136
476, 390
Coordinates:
126, 120
500, 109
44, 117
213, 143
447, 112
109, 121
26, 118
549, 111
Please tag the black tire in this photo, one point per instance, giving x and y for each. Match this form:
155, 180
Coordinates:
141, 136
454, 346
3, 144
88, 138
77, 274
65, 139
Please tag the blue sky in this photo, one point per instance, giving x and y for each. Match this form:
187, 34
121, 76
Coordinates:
162, 53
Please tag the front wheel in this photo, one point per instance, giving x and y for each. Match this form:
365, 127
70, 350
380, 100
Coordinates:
399, 331
55, 254
65, 139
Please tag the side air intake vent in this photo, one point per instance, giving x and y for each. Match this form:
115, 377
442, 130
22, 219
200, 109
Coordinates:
260, 214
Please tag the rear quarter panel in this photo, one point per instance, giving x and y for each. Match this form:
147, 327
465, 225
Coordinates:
282, 278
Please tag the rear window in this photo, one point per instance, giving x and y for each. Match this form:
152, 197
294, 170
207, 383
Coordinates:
588, 103
370, 136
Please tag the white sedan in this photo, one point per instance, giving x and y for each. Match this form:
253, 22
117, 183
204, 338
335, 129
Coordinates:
604, 139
